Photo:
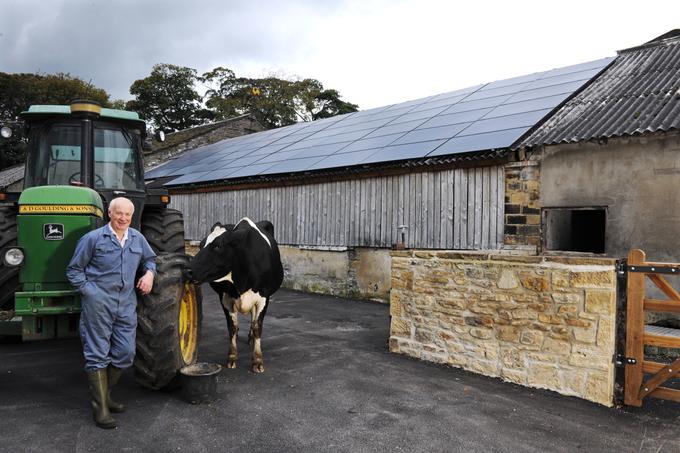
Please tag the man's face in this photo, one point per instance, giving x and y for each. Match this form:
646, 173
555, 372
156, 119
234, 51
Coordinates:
121, 215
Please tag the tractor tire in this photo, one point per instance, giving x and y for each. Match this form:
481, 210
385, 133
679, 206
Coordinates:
168, 325
9, 276
164, 230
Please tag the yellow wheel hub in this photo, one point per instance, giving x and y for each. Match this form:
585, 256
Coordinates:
188, 324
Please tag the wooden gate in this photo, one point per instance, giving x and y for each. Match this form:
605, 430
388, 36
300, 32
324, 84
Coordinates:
638, 334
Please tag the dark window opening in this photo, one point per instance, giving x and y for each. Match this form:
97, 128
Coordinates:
575, 229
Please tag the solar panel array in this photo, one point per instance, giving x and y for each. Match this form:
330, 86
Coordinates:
483, 117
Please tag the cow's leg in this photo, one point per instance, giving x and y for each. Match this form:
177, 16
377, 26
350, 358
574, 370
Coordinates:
232, 326
257, 317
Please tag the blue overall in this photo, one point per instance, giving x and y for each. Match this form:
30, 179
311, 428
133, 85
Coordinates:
104, 274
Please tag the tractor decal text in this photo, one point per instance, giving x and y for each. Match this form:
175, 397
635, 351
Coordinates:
60, 209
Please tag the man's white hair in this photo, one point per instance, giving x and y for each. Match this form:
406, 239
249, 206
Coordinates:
118, 200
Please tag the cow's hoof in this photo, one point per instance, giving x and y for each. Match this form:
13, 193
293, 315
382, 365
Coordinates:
257, 368
231, 364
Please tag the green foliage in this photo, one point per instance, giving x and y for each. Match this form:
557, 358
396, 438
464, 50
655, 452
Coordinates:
272, 101
168, 98
19, 91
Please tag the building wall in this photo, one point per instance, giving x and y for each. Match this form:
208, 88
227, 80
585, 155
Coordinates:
448, 209
636, 178
360, 272
543, 322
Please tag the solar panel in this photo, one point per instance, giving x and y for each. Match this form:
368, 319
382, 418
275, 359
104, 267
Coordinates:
479, 142
431, 133
403, 152
481, 117
342, 160
292, 165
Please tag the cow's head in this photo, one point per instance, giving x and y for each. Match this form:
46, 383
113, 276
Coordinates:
214, 261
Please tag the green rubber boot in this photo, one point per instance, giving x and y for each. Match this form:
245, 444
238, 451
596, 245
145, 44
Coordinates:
113, 375
99, 389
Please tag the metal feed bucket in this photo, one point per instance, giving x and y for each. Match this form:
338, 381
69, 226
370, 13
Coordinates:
199, 382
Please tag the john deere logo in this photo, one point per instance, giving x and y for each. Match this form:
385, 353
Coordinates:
53, 231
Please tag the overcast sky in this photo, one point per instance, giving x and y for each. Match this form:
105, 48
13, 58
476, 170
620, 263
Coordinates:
374, 52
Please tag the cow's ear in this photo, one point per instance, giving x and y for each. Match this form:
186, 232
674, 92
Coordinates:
217, 224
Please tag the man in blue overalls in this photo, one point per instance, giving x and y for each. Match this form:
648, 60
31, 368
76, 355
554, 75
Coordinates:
103, 270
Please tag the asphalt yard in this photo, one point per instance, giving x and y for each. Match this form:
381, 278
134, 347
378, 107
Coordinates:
330, 384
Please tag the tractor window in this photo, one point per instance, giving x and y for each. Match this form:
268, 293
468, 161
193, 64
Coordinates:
116, 161
54, 156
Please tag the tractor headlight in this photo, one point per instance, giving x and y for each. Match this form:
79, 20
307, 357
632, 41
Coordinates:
5, 131
13, 256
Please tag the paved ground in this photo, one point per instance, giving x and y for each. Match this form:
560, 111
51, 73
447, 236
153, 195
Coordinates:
330, 385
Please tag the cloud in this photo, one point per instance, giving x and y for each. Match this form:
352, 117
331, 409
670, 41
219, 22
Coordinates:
375, 52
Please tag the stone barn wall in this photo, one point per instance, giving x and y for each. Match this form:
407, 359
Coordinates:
544, 322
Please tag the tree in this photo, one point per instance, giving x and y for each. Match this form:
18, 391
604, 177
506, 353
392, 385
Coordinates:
20, 91
271, 100
168, 98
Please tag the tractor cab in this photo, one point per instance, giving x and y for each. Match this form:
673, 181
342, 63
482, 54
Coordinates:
87, 146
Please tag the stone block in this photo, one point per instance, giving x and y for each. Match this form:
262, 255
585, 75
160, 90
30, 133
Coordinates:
534, 282
544, 376
515, 376
560, 279
484, 367
600, 388
512, 358
508, 280
605, 332
568, 298
568, 310
601, 302
423, 335
400, 327
523, 313
457, 360
482, 334
590, 357
531, 337
574, 381
479, 321
508, 333
554, 346
584, 335
595, 279
578, 322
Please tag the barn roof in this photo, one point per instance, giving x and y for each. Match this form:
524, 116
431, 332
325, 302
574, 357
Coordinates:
10, 175
485, 117
638, 93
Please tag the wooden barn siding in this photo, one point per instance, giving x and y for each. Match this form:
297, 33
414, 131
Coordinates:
451, 209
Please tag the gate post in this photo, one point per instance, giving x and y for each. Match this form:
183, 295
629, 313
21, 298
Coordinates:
635, 329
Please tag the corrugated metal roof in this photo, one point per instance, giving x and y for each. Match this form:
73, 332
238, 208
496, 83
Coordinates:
638, 93
11, 175
490, 116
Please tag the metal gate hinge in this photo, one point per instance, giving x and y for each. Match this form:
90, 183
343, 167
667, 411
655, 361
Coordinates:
622, 361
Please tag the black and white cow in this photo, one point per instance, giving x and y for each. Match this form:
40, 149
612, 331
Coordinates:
243, 265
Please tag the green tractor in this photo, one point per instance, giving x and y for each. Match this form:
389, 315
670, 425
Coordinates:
79, 158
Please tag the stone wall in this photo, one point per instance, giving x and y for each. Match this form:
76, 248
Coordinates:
522, 229
362, 273
347, 272
544, 322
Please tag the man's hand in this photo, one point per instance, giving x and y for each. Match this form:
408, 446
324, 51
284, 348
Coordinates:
145, 283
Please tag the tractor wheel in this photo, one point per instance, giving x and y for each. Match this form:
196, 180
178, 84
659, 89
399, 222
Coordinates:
164, 230
168, 325
9, 276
